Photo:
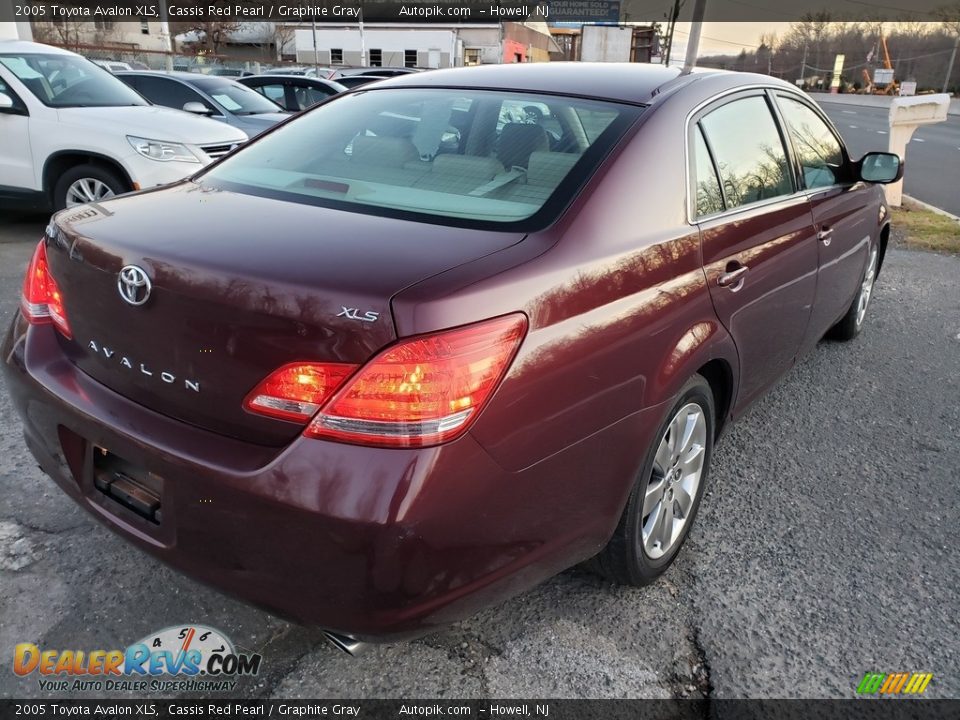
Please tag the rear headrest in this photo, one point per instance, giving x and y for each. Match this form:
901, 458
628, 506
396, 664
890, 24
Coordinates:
383, 151
548, 169
473, 166
518, 140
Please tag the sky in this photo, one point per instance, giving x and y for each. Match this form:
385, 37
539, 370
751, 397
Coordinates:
724, 38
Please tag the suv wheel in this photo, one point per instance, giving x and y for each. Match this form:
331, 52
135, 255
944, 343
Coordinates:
665, 498
86, 183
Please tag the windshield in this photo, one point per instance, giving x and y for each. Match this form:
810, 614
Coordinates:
69, 81
234, 97
463, 157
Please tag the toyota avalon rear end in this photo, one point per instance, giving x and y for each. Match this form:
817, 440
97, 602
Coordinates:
430, 343
221, 373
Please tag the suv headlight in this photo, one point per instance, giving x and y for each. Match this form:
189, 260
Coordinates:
161, 150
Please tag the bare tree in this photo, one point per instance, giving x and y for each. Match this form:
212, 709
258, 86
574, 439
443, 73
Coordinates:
65, 33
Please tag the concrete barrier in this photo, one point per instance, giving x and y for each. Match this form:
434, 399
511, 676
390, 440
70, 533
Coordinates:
875, 101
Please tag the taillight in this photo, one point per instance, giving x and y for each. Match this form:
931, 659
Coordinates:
42, 301
298, 390
424, 390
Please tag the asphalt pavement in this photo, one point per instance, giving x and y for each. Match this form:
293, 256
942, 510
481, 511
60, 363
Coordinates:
825, 548
932, 170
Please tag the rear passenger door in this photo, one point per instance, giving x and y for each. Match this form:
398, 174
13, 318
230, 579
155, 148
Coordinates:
844, 212
757, 237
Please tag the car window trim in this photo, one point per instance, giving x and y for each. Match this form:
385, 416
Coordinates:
19, 106
696, 115
775, 95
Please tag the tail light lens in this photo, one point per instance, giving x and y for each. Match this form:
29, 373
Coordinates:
42, 301
297, 391
424, 390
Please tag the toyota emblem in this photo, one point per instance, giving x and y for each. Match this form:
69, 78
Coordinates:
134, 285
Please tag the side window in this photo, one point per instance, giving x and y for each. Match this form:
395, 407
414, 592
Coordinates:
273, 92
709, 197
169, 93
748, 151
818, 150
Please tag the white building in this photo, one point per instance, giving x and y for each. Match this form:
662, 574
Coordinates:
429, 45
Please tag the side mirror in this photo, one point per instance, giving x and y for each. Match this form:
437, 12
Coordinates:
6, 102
880, 167
197, 107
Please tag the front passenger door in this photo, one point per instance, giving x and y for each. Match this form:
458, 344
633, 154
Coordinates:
844, 212
757, 237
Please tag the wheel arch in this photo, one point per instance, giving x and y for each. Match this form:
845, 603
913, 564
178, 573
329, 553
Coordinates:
884, 238
62, 160
707, 349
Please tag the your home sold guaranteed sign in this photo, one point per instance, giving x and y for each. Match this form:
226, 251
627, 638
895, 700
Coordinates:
186, 658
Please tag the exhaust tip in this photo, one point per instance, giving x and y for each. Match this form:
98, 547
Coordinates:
345, 643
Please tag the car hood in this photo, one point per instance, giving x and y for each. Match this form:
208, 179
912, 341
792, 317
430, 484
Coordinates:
155, 123
253, 124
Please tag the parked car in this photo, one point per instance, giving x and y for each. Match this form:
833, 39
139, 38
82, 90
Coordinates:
353, 81
71, 133
373, 70
417, 382
112, 65
219, 98
293, 92
318, 71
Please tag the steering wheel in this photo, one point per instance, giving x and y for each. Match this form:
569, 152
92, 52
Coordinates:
77, 92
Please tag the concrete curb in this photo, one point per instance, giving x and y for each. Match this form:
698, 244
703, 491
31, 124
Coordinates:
931, 208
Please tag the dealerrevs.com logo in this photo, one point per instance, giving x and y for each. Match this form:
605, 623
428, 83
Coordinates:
177, 659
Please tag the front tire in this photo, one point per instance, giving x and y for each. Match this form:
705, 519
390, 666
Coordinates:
666, 495
86, 183
852, 323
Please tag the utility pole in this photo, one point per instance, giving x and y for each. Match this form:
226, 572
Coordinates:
165, 35
693, 42
363, 44
316, 50
953, 56
803, 66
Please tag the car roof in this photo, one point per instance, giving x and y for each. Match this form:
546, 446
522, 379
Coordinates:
26, 47
621, 82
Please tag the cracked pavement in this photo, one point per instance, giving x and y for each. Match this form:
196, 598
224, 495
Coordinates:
825, 547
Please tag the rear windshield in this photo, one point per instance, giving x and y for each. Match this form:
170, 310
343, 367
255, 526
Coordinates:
461, 157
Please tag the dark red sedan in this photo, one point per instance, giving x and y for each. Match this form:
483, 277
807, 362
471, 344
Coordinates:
428, 344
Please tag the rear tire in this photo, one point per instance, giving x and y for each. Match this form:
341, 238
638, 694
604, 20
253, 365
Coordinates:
852, 323
670, 482
87, 183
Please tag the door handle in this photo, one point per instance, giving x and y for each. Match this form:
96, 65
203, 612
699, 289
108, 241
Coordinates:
825, 235
733, 279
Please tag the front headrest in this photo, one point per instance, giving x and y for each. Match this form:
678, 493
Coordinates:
518, 140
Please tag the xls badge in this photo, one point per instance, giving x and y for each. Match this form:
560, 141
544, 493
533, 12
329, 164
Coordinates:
186, 651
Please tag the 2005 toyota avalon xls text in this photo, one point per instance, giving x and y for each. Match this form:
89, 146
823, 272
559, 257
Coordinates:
430, 343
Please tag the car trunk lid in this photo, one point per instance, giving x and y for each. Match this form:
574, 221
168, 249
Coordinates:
240, 285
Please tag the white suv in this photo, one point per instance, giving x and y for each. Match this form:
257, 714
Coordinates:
71, 133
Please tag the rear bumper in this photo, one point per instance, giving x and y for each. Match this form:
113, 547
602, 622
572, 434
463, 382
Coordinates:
375, 543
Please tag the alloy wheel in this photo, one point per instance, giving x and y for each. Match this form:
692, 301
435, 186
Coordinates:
87, 190
866, 289
677, 470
